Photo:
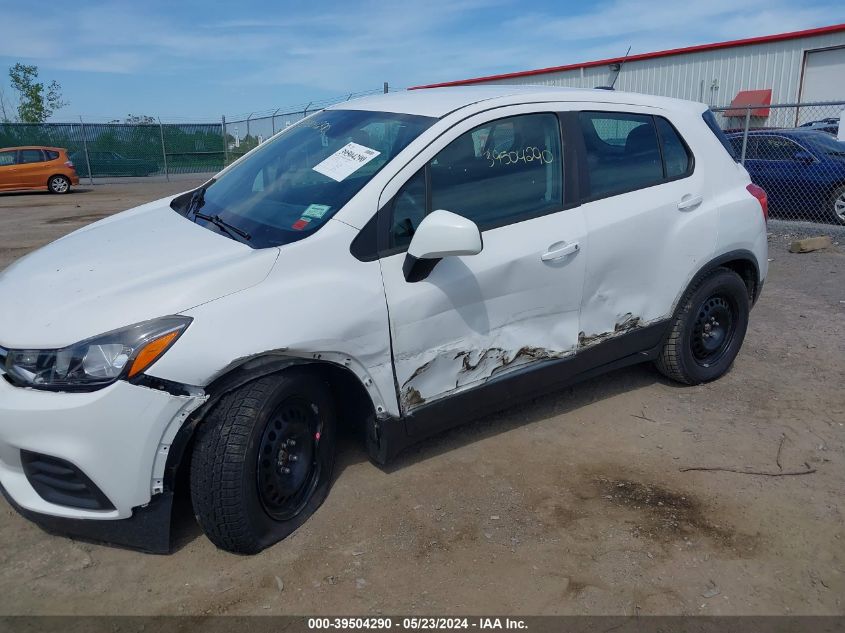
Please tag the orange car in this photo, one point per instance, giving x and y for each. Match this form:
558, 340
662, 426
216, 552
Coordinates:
36, 168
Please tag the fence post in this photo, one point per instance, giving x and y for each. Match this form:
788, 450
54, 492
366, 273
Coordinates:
273, 120
163, 150
85, 149
745, 135
225, 142
385, 88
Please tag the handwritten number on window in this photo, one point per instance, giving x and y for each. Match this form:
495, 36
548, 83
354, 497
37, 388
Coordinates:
525, 155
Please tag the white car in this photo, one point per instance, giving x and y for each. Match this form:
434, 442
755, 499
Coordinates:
395, 264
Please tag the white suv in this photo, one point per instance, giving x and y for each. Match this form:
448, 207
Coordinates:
396, 263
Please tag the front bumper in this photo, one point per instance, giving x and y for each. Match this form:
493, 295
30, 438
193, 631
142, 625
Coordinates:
118, 437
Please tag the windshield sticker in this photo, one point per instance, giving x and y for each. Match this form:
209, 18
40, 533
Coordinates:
316, 211
345, 161
300, 224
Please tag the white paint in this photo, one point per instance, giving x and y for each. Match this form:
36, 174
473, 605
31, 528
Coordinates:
539, 289
445, 234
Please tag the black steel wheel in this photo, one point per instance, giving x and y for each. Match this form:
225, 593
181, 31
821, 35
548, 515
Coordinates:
262, 460
288, 468
707, 329
713, 329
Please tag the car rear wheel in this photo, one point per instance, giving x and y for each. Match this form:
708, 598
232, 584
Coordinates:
707, 330
262, 461
58, 184
837, 205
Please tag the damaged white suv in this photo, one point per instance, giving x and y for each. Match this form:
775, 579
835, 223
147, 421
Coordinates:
393, 264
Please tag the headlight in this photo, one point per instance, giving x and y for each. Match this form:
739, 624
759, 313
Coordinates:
98, 361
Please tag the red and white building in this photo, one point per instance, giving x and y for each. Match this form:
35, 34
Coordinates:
802, 66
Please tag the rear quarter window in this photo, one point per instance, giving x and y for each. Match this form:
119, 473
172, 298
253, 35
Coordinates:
51, 155
713, 124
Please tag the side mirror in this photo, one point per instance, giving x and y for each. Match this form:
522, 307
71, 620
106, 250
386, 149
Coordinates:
803, 157
440, 234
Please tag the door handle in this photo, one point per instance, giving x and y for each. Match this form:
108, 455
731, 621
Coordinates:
689, 202
559, 252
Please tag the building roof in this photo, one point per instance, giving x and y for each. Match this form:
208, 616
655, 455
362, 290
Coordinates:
438, 102
835, 28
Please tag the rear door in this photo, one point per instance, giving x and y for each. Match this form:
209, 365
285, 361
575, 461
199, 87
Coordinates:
9, 175
517, 302
646, 211
31, 167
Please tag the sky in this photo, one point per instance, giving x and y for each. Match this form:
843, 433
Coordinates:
193, 60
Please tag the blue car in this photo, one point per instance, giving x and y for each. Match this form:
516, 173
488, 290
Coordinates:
802, 171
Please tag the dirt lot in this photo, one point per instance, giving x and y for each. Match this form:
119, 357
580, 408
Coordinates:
572, 503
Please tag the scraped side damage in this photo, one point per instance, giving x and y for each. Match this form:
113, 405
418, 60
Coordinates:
466, 368
625, 324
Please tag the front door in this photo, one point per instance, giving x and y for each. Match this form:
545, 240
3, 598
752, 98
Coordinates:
515, 303
9, 171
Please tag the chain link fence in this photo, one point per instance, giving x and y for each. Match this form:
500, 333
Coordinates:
791, 150
247, 132
117, 149
150, 147
795, 153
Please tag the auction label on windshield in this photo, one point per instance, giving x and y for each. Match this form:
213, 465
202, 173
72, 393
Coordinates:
345, 161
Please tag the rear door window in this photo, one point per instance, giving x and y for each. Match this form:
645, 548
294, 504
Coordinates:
622, 152
31, 156
625, 151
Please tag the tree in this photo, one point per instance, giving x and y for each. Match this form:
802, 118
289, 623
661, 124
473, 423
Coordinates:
36, 102
5, 108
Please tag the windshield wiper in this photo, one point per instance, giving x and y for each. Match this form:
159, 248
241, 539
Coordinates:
198, 198
217, 221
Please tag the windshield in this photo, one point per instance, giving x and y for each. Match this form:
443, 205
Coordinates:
290, 186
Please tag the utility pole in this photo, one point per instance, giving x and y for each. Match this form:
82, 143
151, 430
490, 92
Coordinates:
163, 150
85, 148
225, 142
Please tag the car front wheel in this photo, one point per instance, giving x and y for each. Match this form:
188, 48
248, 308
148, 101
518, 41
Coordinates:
707, 330
262, 461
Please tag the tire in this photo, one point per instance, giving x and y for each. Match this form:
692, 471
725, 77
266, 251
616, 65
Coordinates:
837, 205
58, 184
285, 421
707, 329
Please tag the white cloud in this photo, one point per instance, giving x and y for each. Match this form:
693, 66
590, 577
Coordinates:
345, 47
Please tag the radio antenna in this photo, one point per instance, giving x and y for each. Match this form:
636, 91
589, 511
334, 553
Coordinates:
619, 70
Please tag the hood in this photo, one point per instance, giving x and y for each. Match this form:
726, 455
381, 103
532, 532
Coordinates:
137, 265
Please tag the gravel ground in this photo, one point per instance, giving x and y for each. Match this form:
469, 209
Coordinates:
572, 503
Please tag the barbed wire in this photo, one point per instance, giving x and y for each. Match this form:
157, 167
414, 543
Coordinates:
291, 109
